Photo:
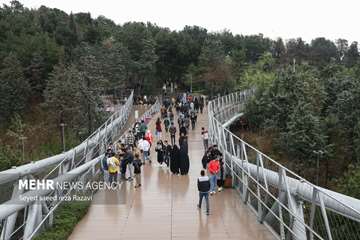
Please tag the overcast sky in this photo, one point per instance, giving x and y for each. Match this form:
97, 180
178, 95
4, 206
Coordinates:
274, 18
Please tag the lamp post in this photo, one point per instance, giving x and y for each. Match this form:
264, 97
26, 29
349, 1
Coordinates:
62, 125
190, 83
22, 139
319, 154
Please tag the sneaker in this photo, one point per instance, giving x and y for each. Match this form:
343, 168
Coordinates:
220, 189
129, 179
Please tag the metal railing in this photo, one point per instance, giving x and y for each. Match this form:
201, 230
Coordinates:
289, 205
87, 172
79, 163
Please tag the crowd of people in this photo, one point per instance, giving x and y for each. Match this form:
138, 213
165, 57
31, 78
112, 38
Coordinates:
131, 152
126, 157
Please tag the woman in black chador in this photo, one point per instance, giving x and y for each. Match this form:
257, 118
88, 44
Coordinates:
160, 149
175, 159
184, 160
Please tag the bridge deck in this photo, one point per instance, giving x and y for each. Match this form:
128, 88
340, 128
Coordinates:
165, 207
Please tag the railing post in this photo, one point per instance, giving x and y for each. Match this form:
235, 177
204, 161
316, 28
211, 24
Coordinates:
323, 212
33, 219
260, 211
10, 221
245, 173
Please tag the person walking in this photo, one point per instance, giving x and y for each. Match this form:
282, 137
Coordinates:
144, 147
196, 104
158, 129
113, 168
130, 139
172, 131
205, 159
142, 128
201, 104
167, 124
193, 118
184, 160
182, 130
205, 137
160, 152
213, 169
129, 159
203, 184
175, 160
137, 170
149, 137
104, 164
167, 153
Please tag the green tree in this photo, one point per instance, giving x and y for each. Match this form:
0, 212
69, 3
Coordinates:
214, 67
342, 46
352, 55
279, 49
323, 51
14, 88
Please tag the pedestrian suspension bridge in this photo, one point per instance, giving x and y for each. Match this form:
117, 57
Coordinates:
267, 201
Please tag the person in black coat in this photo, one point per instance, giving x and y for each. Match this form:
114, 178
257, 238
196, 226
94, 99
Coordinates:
206, 159
160, 151
183, 130
167, 153
183, 139
175, 160
184, 160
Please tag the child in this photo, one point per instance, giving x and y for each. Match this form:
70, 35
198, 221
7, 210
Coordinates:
205, 137
137, 170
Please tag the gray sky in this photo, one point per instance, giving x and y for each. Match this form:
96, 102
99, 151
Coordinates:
285, 18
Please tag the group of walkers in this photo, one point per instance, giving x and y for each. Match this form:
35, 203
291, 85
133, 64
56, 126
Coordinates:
133, 151
128, 155
212, 163
174, 155
120, 160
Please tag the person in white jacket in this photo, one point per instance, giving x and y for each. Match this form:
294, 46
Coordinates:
144, 147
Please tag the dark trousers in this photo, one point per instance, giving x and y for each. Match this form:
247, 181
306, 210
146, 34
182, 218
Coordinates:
206, 144
206, 196
112, 177
172, 139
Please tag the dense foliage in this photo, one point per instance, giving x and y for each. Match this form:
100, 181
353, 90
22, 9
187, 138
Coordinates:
312, 110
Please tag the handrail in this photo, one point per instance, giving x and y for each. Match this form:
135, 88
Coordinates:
68, 166
117, 118
261, 179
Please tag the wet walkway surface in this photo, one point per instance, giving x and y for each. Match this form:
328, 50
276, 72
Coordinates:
165, 207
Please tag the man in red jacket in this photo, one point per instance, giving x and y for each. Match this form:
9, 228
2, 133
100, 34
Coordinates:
213, 169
